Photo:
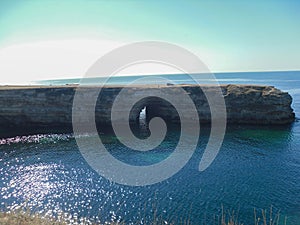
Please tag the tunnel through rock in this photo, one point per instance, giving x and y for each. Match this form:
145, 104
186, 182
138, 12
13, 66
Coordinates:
146, 109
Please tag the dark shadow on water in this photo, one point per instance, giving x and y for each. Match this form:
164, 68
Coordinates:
6, 132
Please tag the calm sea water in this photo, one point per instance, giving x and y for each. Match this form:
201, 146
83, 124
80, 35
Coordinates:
257, 167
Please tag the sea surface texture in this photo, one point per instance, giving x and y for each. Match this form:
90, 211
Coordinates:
257, 167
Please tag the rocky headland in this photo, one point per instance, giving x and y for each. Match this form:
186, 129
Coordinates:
51, 106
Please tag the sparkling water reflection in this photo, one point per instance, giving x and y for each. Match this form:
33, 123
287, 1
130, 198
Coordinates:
257, 167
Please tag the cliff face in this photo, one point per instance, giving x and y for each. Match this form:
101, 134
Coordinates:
26, 107
245, 104
52, 106
258, 105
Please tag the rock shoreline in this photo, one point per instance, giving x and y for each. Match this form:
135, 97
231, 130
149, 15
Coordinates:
51, 106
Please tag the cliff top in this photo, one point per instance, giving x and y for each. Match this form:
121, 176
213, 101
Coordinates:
15, 87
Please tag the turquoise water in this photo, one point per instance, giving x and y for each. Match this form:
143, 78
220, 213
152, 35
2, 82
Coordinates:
257, 167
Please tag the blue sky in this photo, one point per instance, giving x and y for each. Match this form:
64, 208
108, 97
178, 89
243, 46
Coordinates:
227, 35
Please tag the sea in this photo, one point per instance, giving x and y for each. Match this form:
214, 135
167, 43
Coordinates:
257, 171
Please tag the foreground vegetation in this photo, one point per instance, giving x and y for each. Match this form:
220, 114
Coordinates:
24, 217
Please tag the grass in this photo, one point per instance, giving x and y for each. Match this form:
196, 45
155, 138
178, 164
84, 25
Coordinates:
18, 218
25, 217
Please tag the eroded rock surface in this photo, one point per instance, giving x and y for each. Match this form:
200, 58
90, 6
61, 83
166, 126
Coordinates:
52, 105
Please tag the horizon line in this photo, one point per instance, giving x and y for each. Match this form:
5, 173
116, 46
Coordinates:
219, 72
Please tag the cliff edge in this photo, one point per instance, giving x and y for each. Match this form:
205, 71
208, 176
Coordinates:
51, 106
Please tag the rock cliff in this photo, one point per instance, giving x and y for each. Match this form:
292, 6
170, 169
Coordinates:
51, 106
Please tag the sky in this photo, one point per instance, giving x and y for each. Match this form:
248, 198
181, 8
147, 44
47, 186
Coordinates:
56, 39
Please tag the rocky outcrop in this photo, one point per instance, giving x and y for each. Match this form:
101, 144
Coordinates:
257, 105
51, 106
